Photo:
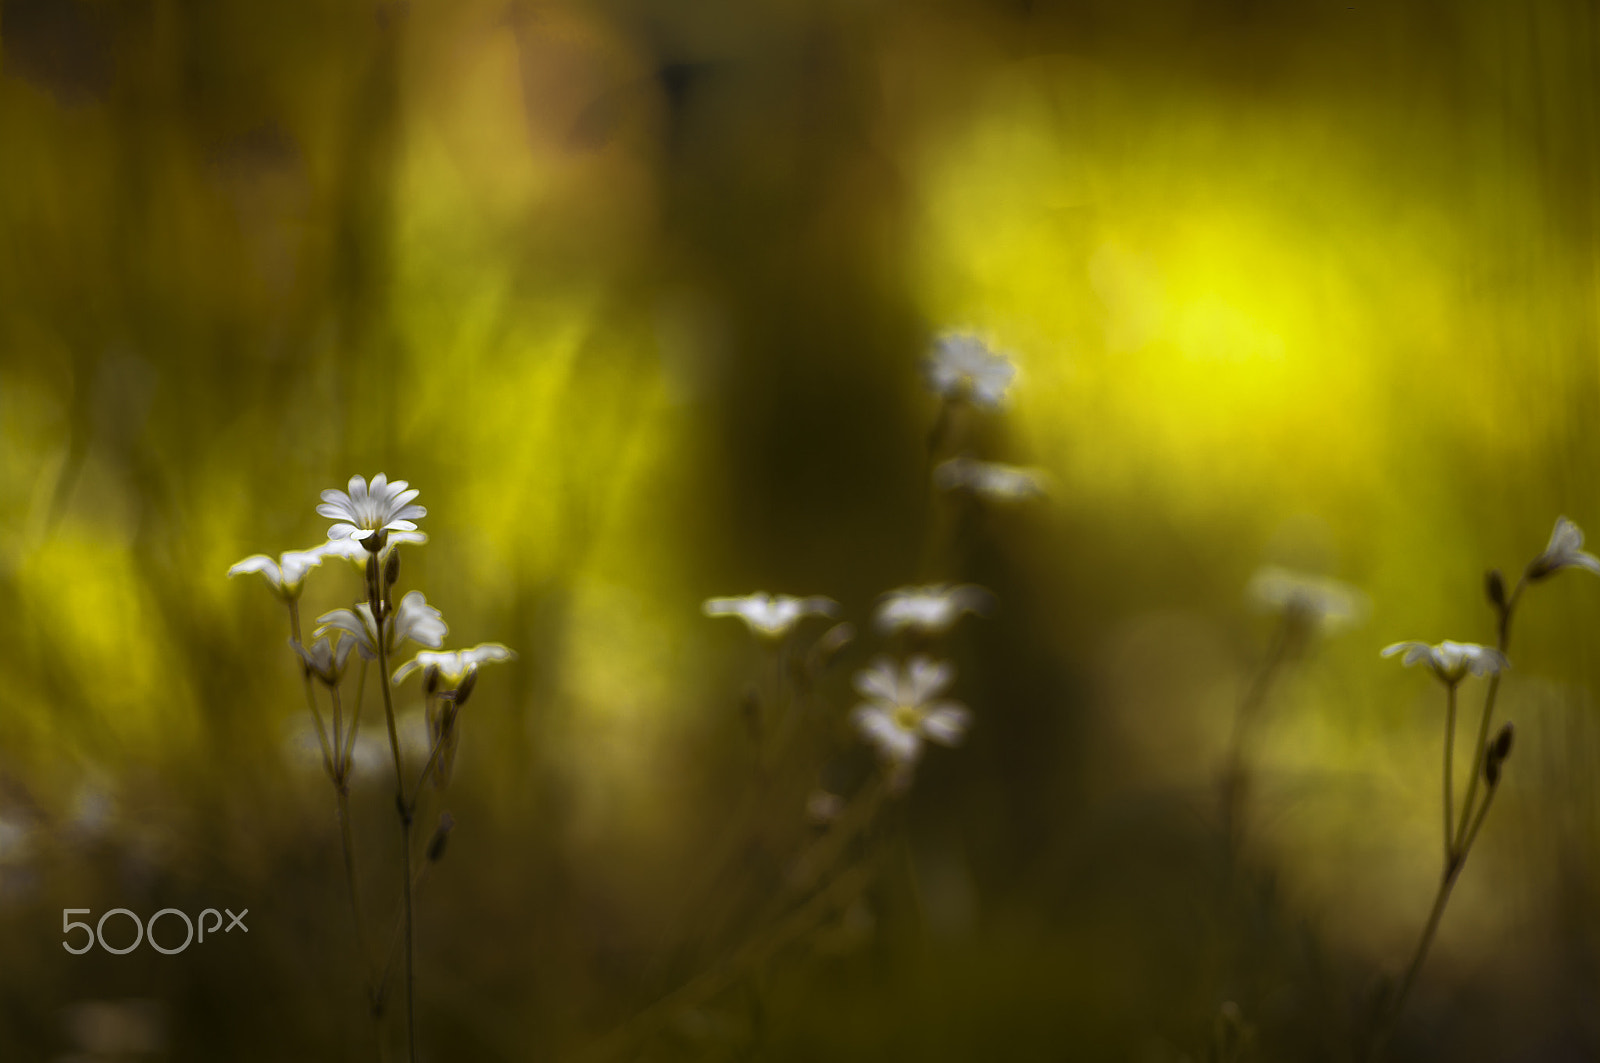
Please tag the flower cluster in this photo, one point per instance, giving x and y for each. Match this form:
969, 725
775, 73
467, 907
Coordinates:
372, 519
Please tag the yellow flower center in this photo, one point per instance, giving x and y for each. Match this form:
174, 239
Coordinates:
907, 717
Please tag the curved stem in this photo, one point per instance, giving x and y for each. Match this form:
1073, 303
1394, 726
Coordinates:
1249, 709
311, 696
400, 807
1449, 783
355, 718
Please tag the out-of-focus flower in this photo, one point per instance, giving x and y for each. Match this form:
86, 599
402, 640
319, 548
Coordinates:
962, 367
413, 619
770, 616
900, 713
1565, 551
326, 657
1325, 603
932, 609
823, 807
287, 575
454, 665
368, 513
1451, 661
992, 480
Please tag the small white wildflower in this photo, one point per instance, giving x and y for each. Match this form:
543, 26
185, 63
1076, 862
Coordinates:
1565, 551
900, 712
367, 513
455, 665
962, 367
1451, 661
992, 480
932, 609
413, 619
1325, 602
771, 616
286, 575
327, 660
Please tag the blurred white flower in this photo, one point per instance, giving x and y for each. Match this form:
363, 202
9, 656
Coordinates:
1565, 551
413, 619
1325, 602
454, 665
771, 616
992, 480
900, 712
368, 511
823, 807
932, 609
962, 367
1451, 661
286, 575
327, 660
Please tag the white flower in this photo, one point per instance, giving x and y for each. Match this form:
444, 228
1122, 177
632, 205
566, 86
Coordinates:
287, 574
1451, 661
1002, 483
413, 619
455, 665
932, 609
1565, 551
961, 367
370, 511
1325, 602
900, 712
327, 660
770, 615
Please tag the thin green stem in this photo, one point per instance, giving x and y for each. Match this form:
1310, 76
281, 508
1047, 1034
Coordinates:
1503, 642
1233, 781
433, 759
311, 696
1449, 783
355, 718
379, 617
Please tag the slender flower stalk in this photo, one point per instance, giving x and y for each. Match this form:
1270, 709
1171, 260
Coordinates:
1450, 663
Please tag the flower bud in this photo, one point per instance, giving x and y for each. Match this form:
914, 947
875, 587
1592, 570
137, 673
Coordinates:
1496, 754
1503, 740
391, 569
1494, 585
441, 835
464, 691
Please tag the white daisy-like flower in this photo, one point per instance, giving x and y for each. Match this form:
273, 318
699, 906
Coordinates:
1325, 602
989, 479
413, 619
367, 513
326, 656
900, 711
962, 367
770, 615
287, 574
455, 665
1565, 551
1451, 661
932, 609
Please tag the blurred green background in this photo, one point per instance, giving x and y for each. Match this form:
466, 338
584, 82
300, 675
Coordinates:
635, 293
